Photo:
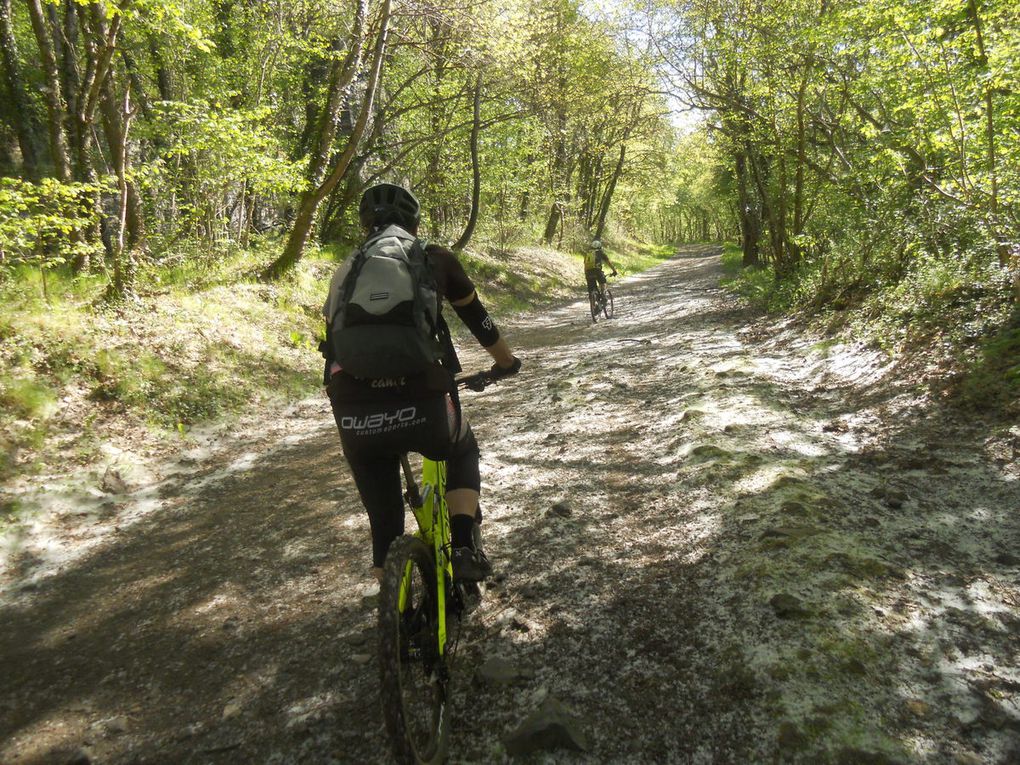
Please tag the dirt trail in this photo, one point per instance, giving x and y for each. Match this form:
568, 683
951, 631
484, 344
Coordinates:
771, 554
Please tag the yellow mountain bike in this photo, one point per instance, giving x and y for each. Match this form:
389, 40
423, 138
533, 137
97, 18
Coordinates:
420, 610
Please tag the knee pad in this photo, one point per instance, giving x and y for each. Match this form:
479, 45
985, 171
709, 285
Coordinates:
462, 470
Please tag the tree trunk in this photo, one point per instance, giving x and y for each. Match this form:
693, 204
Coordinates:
556, 211
8, 165
65, 38
750, 220
55, 108
608, 198
476, 172
117, 117
100, 40
312, 198
555, 214
21, 116
798, 183
163, 83
341, 77
1002, 245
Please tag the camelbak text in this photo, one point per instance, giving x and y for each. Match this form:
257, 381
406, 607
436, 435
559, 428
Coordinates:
389, 382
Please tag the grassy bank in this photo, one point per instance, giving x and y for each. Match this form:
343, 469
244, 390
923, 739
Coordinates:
202, 341
953, 321
195, 345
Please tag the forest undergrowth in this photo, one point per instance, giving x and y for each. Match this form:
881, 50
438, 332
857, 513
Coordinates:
950, 325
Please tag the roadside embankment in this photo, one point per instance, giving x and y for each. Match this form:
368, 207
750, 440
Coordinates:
85, 383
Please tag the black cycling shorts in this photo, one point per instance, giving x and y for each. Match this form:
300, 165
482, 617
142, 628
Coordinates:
372, 428
374, 434
593, 276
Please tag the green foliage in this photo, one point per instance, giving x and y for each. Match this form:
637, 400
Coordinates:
872, 156
26, 399
677, 193
759, 286
43, 224
732, 259
992, 380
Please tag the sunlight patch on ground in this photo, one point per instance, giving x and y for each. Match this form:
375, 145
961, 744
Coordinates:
69, 518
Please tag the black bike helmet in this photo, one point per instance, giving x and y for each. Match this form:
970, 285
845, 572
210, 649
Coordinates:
388, 203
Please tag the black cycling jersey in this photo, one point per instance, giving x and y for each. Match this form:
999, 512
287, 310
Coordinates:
380, 419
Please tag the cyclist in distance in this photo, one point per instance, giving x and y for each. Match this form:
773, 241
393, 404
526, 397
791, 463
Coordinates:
593, 261
382, 416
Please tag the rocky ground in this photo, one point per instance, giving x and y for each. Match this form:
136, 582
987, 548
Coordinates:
718, 540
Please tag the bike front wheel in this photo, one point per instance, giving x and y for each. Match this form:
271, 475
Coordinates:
411, 668
607, 305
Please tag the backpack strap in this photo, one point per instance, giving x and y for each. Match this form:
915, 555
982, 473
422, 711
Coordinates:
419, 259
347, 286
450, 361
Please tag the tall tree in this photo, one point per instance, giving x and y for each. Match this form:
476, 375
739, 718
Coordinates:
20, 112
312, 198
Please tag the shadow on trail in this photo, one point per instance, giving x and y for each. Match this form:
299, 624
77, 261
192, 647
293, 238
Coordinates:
201, 627
890, 638
230, 626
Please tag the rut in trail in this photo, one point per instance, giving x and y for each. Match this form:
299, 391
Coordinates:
768, 553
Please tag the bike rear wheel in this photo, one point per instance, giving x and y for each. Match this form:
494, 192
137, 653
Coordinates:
607, 304
412, 670
593, 304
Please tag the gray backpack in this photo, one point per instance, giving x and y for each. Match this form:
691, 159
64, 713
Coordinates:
383, 313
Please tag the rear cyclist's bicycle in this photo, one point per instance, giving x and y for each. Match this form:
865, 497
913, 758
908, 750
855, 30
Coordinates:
600, 301
420, 610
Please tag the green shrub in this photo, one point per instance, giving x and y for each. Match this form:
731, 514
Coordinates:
43, 223
993, 379
26, 398
732, 259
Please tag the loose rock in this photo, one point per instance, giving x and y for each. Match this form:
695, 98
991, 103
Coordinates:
790, 736
787, 606
562, 509
113, 483
115, 726
549, 727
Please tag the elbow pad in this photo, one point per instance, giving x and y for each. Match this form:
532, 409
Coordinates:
477, 319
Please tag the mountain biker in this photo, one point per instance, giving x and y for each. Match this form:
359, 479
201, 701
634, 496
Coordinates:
437, 428
593, 260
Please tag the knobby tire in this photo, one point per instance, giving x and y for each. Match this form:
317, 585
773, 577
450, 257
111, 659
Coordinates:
412, 673
607, 305
593, 304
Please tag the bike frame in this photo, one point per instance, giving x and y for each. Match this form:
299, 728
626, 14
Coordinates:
433, 517
597, 297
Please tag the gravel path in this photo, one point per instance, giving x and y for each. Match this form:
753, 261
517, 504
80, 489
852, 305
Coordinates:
763, 549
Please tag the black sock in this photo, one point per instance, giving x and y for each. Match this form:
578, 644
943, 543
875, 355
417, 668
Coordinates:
460, 530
